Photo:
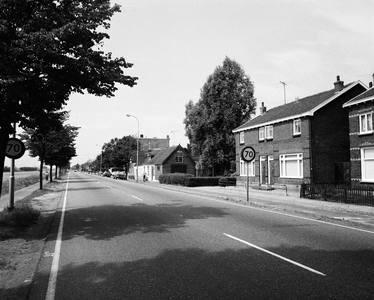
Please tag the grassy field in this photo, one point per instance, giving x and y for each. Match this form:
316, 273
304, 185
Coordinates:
22, 179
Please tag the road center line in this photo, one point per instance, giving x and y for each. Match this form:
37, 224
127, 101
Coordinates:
276, 255
51, 290
137, 198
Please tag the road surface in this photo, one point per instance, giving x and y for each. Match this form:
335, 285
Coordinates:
127, 240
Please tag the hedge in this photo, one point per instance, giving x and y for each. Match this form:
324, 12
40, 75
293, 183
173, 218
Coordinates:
174, 178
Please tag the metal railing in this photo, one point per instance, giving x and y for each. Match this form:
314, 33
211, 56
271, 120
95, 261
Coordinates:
360, 195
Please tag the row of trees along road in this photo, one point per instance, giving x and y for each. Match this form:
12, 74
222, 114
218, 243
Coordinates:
48, 50
226, 101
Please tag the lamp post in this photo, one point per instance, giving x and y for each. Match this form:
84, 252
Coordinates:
137, 148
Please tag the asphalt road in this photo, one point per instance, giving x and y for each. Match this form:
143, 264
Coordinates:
126, 240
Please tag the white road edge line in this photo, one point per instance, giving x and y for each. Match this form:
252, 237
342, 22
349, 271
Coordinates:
284, 214
51, 290
137, 198
276, 255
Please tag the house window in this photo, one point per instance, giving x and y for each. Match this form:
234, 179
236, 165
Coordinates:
269, 132
297, 127
179, 159
261, 133
367, 164
291, 165
247, 168
241, 137
366, 123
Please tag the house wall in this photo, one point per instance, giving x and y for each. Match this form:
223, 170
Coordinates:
330, 138
358, 141
187, 161
283, 142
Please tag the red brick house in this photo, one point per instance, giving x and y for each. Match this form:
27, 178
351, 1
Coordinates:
302, 141
361, 137
174, 159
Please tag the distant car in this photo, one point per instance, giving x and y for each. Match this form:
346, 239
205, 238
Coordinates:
106, 174
118, 173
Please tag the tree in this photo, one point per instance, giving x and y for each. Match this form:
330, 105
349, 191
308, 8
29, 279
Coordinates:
48, 50
54, 145
226, 100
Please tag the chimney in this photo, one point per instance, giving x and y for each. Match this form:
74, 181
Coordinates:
262, 109
370, 85
339, 85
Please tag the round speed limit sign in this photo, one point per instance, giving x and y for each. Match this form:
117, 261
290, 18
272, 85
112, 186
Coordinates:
15, 148
248, 154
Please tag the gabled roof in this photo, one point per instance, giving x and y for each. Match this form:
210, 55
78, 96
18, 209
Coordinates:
162, 155
300, 108
364, 97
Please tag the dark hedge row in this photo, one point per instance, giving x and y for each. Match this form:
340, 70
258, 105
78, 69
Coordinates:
190, 181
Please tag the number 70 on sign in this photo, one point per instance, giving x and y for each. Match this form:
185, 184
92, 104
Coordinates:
248, 154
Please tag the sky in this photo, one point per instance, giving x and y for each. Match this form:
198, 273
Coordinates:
176, 44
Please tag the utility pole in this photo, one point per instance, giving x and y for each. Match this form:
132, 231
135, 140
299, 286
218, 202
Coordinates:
284, 90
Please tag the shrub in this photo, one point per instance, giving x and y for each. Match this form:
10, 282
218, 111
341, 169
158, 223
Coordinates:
174, 178
202, 181
227, 181
21, 216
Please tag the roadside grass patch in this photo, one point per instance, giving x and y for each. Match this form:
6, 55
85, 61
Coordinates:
11, 222
19, 183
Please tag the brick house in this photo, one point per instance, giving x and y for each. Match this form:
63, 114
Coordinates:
302, 141
361, 137
174, 159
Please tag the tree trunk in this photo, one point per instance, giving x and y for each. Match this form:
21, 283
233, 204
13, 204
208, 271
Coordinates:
5, 131
50, 173
41, 175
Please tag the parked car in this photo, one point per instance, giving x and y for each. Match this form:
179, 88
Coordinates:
106, 174
118, 173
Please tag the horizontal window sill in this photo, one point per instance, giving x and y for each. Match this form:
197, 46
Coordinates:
366, 133
290, 177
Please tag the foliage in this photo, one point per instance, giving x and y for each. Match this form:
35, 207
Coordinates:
52, 142
202, 181
48, 50
21, 216
117, 153
174, 178
226, 100
28, 169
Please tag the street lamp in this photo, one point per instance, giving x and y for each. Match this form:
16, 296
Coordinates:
137, 148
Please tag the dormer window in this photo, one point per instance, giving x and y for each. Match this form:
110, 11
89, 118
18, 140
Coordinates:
297, 127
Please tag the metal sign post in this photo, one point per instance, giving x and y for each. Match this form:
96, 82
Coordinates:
14, 150
247, 154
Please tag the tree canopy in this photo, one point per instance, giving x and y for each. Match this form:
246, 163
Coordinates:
48, 50
226, 100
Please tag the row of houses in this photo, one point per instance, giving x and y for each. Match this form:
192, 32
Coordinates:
323, 138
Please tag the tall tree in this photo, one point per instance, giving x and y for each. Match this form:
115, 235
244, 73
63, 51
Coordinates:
49, 49
226, 100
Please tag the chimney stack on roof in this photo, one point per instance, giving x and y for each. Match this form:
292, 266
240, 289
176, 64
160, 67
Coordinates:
339, 85
262, 109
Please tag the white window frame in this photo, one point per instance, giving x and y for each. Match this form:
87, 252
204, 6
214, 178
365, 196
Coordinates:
261, 133
244, 168
364, 162
284, 158
297, 127
366, 123
269, 131
241, 137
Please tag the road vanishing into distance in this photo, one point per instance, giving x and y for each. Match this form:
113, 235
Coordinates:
114, 239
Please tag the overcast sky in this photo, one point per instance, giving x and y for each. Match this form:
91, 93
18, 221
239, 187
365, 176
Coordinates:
176, 44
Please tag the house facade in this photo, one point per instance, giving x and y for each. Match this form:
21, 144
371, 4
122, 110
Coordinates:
305, 141
361, 137
174, 159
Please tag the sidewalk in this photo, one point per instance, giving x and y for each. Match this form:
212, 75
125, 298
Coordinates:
320, 209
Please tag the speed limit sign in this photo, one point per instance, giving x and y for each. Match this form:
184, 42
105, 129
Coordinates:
15, 148
248, 154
